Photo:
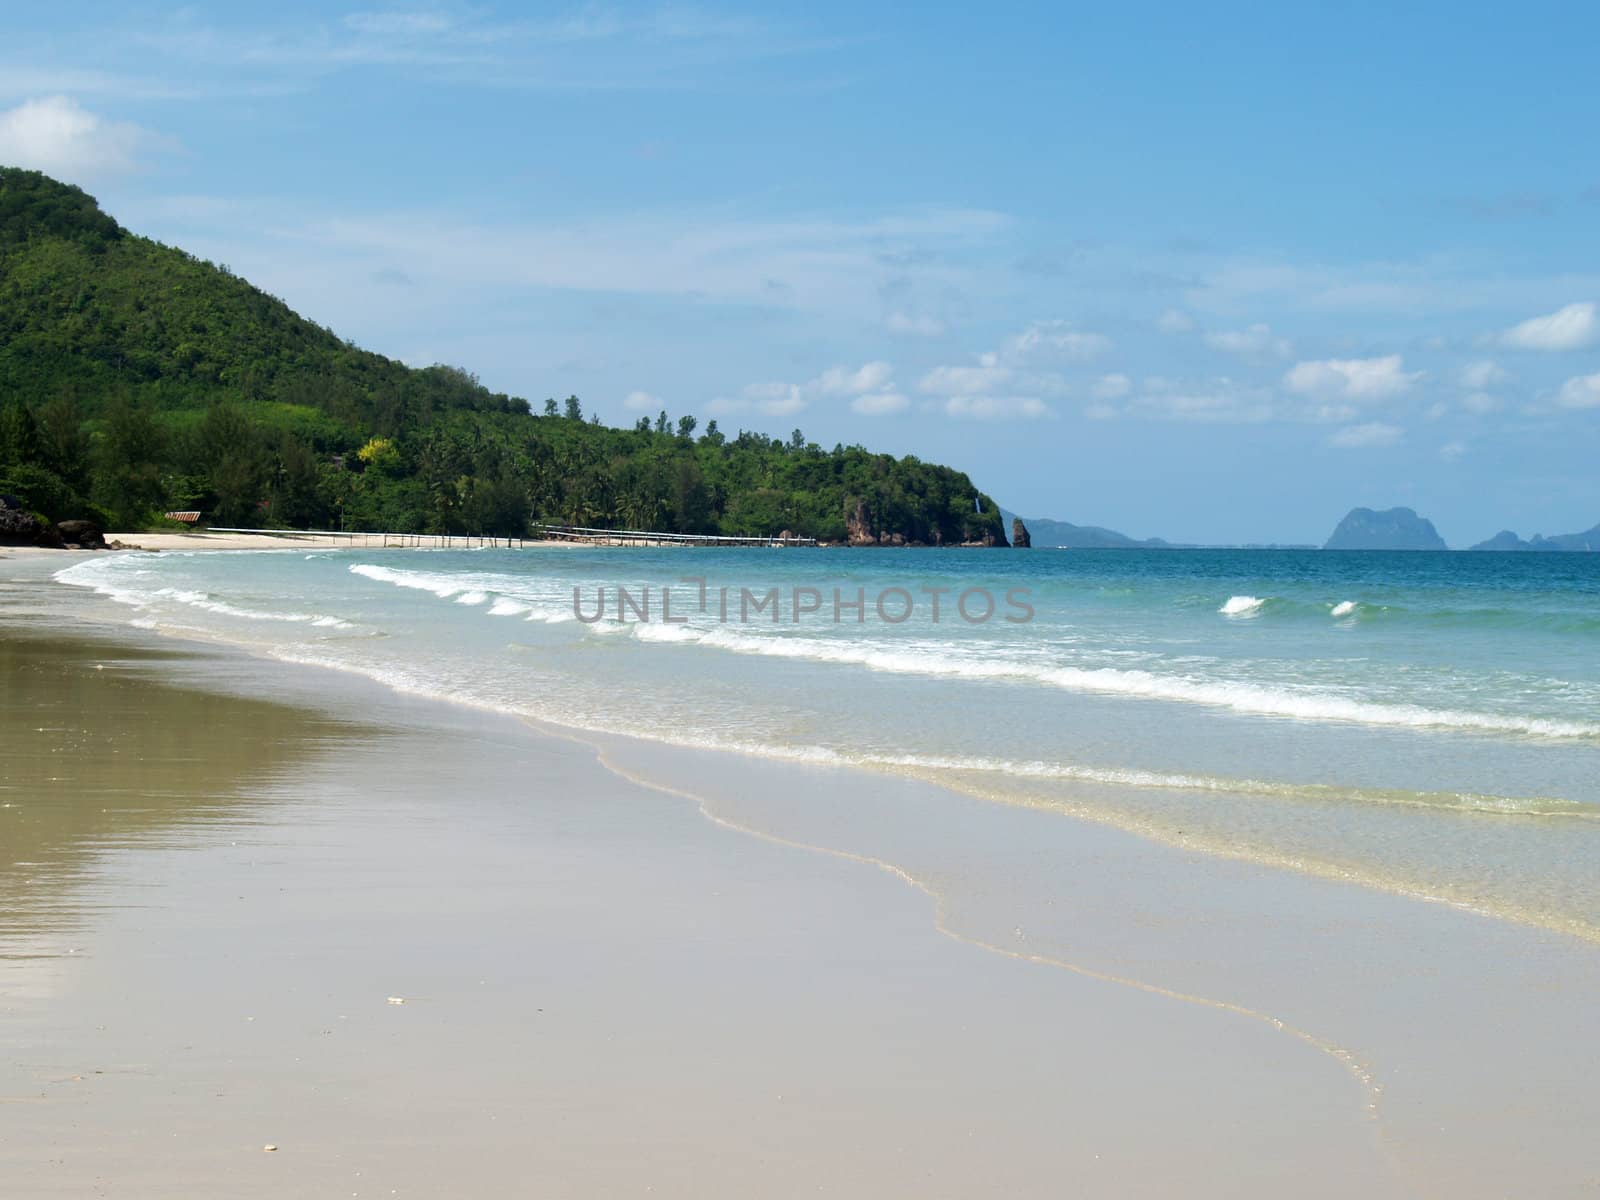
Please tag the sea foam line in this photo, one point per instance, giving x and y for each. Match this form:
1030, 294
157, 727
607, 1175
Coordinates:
1248, 698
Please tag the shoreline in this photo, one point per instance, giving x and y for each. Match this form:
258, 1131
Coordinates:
760, 804
629, 889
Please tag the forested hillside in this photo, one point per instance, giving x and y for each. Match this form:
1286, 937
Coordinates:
136, 379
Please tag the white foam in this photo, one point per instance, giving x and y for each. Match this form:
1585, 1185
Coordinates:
1241, 606
113, 579
940, 659
504, 606
1344, 608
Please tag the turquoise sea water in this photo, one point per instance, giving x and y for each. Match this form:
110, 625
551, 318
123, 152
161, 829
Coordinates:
1421, 723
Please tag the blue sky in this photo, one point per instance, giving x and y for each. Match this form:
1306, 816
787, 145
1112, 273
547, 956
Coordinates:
1212, 273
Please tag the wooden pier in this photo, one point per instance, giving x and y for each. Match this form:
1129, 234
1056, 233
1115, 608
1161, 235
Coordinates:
542, 533
643, 537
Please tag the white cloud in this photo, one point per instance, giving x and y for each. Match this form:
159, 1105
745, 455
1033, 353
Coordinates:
880, 404
1372, 434
1056, 339
964, 381
1256, 341
1481, 376
770, 399
1110, 387
870, 388
1571, 328
1175, 320
1353, 378
60, 137
915, 325
992, 408
1451, 451
1480, 402
641, 402
842, 381
1582, 391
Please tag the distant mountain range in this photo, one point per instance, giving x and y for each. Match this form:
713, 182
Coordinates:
1506, 540
1361, 529
1403, 529
1063, 535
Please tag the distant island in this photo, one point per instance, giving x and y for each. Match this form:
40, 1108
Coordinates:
1567, 542
137, 380
1047, 534
1391, 529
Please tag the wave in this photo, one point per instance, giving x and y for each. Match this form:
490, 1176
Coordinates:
103, 583
941, 659
1345, 608
1241, 606
933, 766
933, 658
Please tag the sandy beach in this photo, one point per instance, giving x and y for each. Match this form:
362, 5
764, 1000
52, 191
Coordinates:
423, 950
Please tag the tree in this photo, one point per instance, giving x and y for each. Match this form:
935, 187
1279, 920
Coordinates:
550, 407
686, 427
797, 440
128, 474
661, 421
713, 435
574, 409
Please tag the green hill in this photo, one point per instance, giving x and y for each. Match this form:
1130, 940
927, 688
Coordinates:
136, 379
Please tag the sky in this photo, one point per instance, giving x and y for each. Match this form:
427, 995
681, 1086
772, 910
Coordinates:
1214, 273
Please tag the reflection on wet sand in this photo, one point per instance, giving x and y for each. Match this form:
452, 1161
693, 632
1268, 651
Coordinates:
98, 753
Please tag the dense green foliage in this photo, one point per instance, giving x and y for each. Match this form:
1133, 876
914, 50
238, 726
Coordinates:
136, 379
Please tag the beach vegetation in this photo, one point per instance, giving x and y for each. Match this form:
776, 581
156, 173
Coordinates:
136, 379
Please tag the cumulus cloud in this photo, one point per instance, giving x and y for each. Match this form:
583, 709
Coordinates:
914, 325
842, 381
1256, 341
1482, 376
869, 388
641, 402
880, 404
991, 408
60, 137
1582, 391
988, 376
1352, 378
1451, 451
1372, 434
1175, 320
1571, 328
1480, 402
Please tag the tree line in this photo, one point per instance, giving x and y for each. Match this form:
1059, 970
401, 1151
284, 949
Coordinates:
136, 379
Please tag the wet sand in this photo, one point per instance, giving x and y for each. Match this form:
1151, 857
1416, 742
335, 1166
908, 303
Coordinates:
211, 900
630, 971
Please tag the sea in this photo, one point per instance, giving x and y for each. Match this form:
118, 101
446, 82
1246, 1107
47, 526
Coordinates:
1426, 724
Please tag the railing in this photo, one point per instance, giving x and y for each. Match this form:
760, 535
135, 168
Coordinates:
442, 541
645, 537
563, 533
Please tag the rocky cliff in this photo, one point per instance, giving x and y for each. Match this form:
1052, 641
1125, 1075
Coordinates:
1392, 529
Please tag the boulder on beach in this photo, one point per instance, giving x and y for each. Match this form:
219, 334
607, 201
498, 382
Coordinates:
84, 535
